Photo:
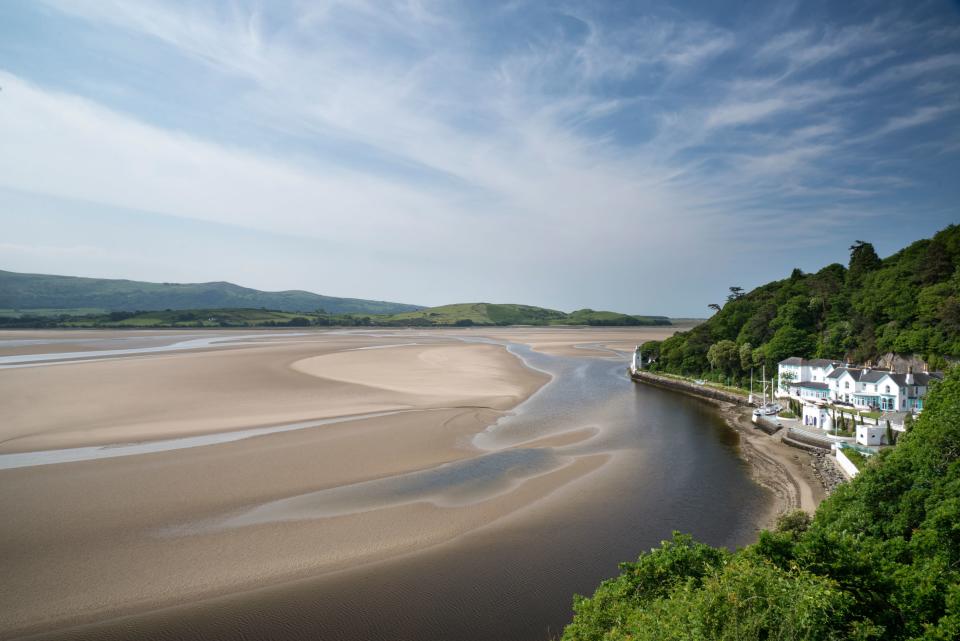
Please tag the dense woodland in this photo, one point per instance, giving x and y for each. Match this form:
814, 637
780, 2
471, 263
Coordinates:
907, 304
880, 560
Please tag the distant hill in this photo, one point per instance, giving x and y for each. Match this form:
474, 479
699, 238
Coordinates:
63, 293
466, 314
904, 306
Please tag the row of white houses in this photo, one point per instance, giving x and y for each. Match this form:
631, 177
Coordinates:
863, 387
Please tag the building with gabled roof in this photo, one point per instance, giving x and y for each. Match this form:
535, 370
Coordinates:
817, 379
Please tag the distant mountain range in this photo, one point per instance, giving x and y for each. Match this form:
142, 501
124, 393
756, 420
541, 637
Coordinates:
43, 292
69, 301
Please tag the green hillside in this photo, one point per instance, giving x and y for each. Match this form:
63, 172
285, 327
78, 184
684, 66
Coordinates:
62, 293
880, 560
592, 317
209, 318
908, 304
465, 314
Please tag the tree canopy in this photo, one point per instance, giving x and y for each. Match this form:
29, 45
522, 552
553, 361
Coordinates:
908, 303
880, 560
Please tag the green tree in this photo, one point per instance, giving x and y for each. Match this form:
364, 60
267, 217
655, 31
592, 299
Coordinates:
863, 259
724, 356
746, 357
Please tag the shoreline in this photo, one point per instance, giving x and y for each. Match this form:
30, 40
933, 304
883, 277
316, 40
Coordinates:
787, 472
120, 544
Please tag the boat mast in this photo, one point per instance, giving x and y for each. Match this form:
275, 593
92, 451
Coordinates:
763, 377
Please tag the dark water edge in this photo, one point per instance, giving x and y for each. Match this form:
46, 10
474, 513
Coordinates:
514, 581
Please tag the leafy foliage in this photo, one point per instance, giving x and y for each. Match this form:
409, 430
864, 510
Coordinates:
908, 303
880, 560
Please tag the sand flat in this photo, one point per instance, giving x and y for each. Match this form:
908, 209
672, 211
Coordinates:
122, 514
85, 535
578, 341
453, 374
176, 394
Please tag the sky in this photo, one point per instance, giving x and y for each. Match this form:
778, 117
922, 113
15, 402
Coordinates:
634, 156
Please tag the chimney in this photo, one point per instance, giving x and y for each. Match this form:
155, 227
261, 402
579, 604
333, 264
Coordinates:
909, 379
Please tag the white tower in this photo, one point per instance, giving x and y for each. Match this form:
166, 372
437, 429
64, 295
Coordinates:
637, 363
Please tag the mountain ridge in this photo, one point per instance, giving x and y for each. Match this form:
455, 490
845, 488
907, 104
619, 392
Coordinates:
25, 291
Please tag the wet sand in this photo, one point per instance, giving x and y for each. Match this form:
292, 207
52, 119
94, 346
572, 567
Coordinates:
786, 471
186, 542
96, 539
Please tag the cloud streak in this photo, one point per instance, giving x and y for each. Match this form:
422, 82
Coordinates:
413, 130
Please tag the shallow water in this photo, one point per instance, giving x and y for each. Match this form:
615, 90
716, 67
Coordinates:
674, 467
31, 360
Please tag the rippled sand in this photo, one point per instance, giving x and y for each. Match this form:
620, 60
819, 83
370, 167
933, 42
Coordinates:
88, 540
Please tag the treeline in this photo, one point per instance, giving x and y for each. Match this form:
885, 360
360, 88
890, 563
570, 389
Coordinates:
880, 560
908, 304
245, 317
178, 319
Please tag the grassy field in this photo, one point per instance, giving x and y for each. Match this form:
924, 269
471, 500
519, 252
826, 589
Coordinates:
508, 314
47, 311
210, 318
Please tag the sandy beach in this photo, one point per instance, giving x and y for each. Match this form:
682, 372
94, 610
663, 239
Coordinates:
91, 540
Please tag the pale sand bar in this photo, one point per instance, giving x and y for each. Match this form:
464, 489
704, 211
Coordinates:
88, 540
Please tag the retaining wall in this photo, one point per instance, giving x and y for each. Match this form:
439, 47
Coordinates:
846, 463
704, 391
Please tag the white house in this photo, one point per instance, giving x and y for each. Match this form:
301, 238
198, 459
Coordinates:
821, 379
892, 391
796, 370
842, 383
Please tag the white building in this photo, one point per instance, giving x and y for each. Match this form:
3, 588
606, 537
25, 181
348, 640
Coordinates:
805, 379
817, 415
872, 435
636, 363
804, 370
822, 379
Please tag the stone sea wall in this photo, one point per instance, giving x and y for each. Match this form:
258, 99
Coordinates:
689, 387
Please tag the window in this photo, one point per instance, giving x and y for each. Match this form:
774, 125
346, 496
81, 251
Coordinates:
846, 385
886, 388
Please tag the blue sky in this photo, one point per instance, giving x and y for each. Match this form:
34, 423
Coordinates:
636, 156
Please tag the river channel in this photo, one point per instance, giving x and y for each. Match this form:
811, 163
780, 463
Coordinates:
673, 465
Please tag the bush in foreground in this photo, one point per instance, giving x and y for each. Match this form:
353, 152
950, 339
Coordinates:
880, 560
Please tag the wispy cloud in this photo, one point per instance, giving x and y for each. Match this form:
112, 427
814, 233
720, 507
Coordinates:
920, 116
434, 129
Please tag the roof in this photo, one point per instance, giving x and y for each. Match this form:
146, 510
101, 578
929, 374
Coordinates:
793, 360
876, 375
814, 385
813, 362
854, 372
894, 417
